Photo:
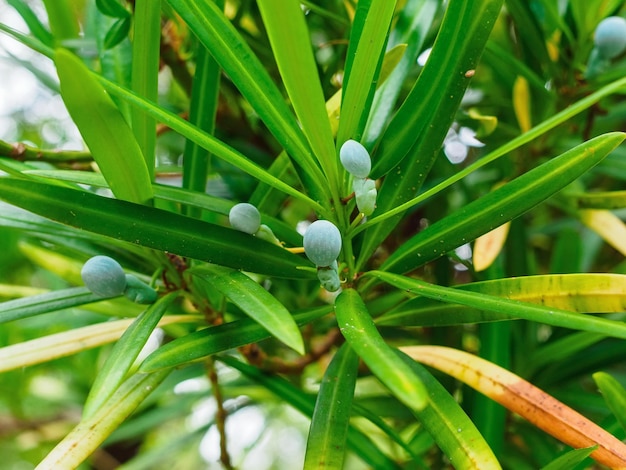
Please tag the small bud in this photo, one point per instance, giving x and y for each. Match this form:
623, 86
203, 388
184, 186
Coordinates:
245, 218
355, 159
329, 277
322, 243
265, 233
138, 291
365, 194
104, 276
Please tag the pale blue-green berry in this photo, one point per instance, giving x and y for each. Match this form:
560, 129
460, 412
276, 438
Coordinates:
104, 276
610, 37
245, 218
355, 159
138, 291
329, 277
365, 194
322, 243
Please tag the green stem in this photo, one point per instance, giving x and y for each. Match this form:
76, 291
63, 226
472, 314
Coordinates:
24, 152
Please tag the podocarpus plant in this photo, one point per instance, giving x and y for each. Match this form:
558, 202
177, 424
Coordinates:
261, 97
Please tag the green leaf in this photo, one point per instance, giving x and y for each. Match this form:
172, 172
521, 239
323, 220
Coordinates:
513, 308
367, 450
329, 425
112, 8
35, 26
45, 303
176, 123
412, 141
614, 395
570, 459
104, 129
123, 355
154, 228
283, 231
117, 33
599, 200
202, 112
503, 204
358, 328
208, 341
145, 74
62, 20
582, 293
242, 66
293, 52
87, 436
255, 302
453, 431
365, 54
411, 26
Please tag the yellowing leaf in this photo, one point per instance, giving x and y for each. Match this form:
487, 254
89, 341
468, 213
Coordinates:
488, 246
521, 103
523, 398
487, 123
607, 225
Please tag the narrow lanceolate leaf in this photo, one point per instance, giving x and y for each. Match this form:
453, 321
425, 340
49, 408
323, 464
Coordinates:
243, 67
453, 431
367, 41
87, 436
124, 353
599, 200
104, 130
614, 395
216, 339
503, 204
513, 308
570, 459
582, 293
202, 112
412, 141
367, 450
145, 74
64, 344
523, 398
358, 328
607, 225
291, 43
326, 445
44, 303
255, 302
153, 228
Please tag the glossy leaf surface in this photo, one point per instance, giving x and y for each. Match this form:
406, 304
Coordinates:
153, 228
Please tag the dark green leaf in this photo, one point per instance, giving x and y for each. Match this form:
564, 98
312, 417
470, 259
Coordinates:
331, 417
503, 204
117, 33
216, 339
104, 129
255, 302
154, 228
123, 355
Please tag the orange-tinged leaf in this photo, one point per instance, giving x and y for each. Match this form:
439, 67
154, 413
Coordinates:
523, 398
487, 247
